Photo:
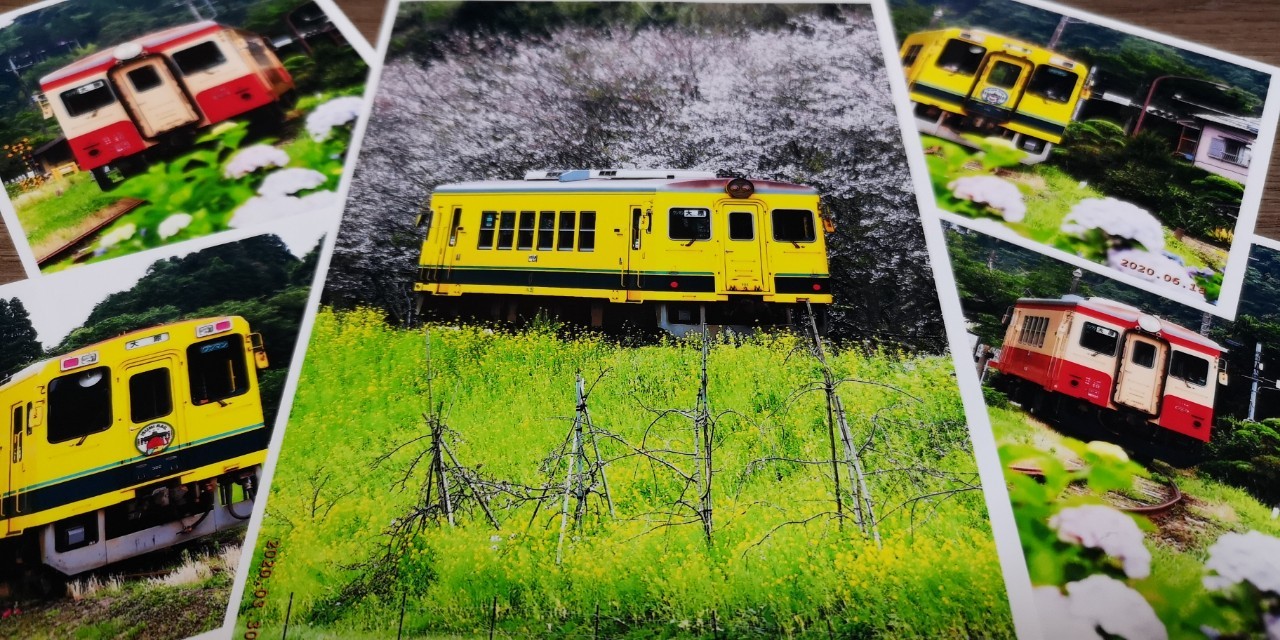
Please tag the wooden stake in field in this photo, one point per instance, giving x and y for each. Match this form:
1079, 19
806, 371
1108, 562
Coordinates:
582, 474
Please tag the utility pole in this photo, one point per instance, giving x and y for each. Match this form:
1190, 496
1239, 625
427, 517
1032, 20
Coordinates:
1257, 373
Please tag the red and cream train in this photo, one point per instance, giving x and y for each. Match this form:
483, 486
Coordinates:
116, 104
1107, 355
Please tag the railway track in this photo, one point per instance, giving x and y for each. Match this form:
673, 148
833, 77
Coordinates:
1147, 497
111, 213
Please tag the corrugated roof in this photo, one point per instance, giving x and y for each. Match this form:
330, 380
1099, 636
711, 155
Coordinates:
1236, 122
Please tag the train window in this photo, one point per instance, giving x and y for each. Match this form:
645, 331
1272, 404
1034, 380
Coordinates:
201, 57
546, 230
690, 223
1004, 75
913, 52
79, 404
506, 229
1143, 355
587, 231
1034, 329
1099, 339
741, 225
15, 443
1192, 369
87, 98
216, 369
565, 240
636, 214
457, 224
144, 78
1052, 83
524, 241
963, 57
149, 395
793, 225
488, 223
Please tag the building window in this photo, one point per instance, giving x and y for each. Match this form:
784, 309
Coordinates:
1230, 150
564, 241
546, 230
961, 57
524, 241
216, 369
79, 404
587, 231
1144, 355
793, 225
149, 396
144, 78
1193, 370
1099, 339
913, 52
488, 224
1034, 329
741, 225
689, 223
201, 57
88, 98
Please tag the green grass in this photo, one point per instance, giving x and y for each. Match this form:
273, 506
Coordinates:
508, 397
43, 213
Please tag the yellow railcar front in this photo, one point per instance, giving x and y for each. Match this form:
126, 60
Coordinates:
969, 80
679, 242
130, 445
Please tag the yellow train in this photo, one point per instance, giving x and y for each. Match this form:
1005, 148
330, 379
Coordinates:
965, 80
664, 248
129, 445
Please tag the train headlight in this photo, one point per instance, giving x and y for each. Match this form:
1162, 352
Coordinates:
740, 188
128, 51
1149, 323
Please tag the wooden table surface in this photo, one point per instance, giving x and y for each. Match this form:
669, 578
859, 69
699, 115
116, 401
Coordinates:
1243, 27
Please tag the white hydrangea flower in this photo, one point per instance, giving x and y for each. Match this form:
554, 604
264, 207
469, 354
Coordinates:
173, 224
333, 113
1101, 527
287, 182
1053, 609
1238, 557
1115, 607
1107, 450
250, 159
1271, 624
997, 193
117, 235
261, 209
1115, 218
1152, 267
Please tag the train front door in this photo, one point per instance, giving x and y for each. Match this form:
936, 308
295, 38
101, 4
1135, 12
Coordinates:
154, 421
743, 249
1140, 380
153, 96
999, 85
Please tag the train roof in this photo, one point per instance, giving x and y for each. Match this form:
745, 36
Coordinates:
36, 367
981, 34
106, 58
1129, 315
655, 181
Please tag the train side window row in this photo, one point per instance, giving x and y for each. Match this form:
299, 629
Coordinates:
80, 402
520, 232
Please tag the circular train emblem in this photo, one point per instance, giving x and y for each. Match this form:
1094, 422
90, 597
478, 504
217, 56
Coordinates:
992, 95
154, 438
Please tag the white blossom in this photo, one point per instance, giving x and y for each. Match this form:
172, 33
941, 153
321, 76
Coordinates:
1115, 218
1107, 450
261, 209
286, 182
1102, 527
333, 113
117, 235
1252, 557
1271, 625
1118, 609
1153, 267
173, 224
997, 193
1053, 610
250, 159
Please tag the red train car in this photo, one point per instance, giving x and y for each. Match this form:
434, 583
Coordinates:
116, 104
1112, 357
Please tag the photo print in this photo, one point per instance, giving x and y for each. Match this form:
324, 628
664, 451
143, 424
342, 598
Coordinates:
629, 330
1119, 151
129, 128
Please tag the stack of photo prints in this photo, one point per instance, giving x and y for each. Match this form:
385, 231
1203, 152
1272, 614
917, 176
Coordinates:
586, 320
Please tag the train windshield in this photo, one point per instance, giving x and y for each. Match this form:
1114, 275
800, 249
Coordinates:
216, 369
79, 404
690, 223
87, 98
201, 57
793, 225
1052, 83
1185, 366
1099, 339
963, 57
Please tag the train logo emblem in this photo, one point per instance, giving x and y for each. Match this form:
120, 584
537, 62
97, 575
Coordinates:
992, 95
154, 438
